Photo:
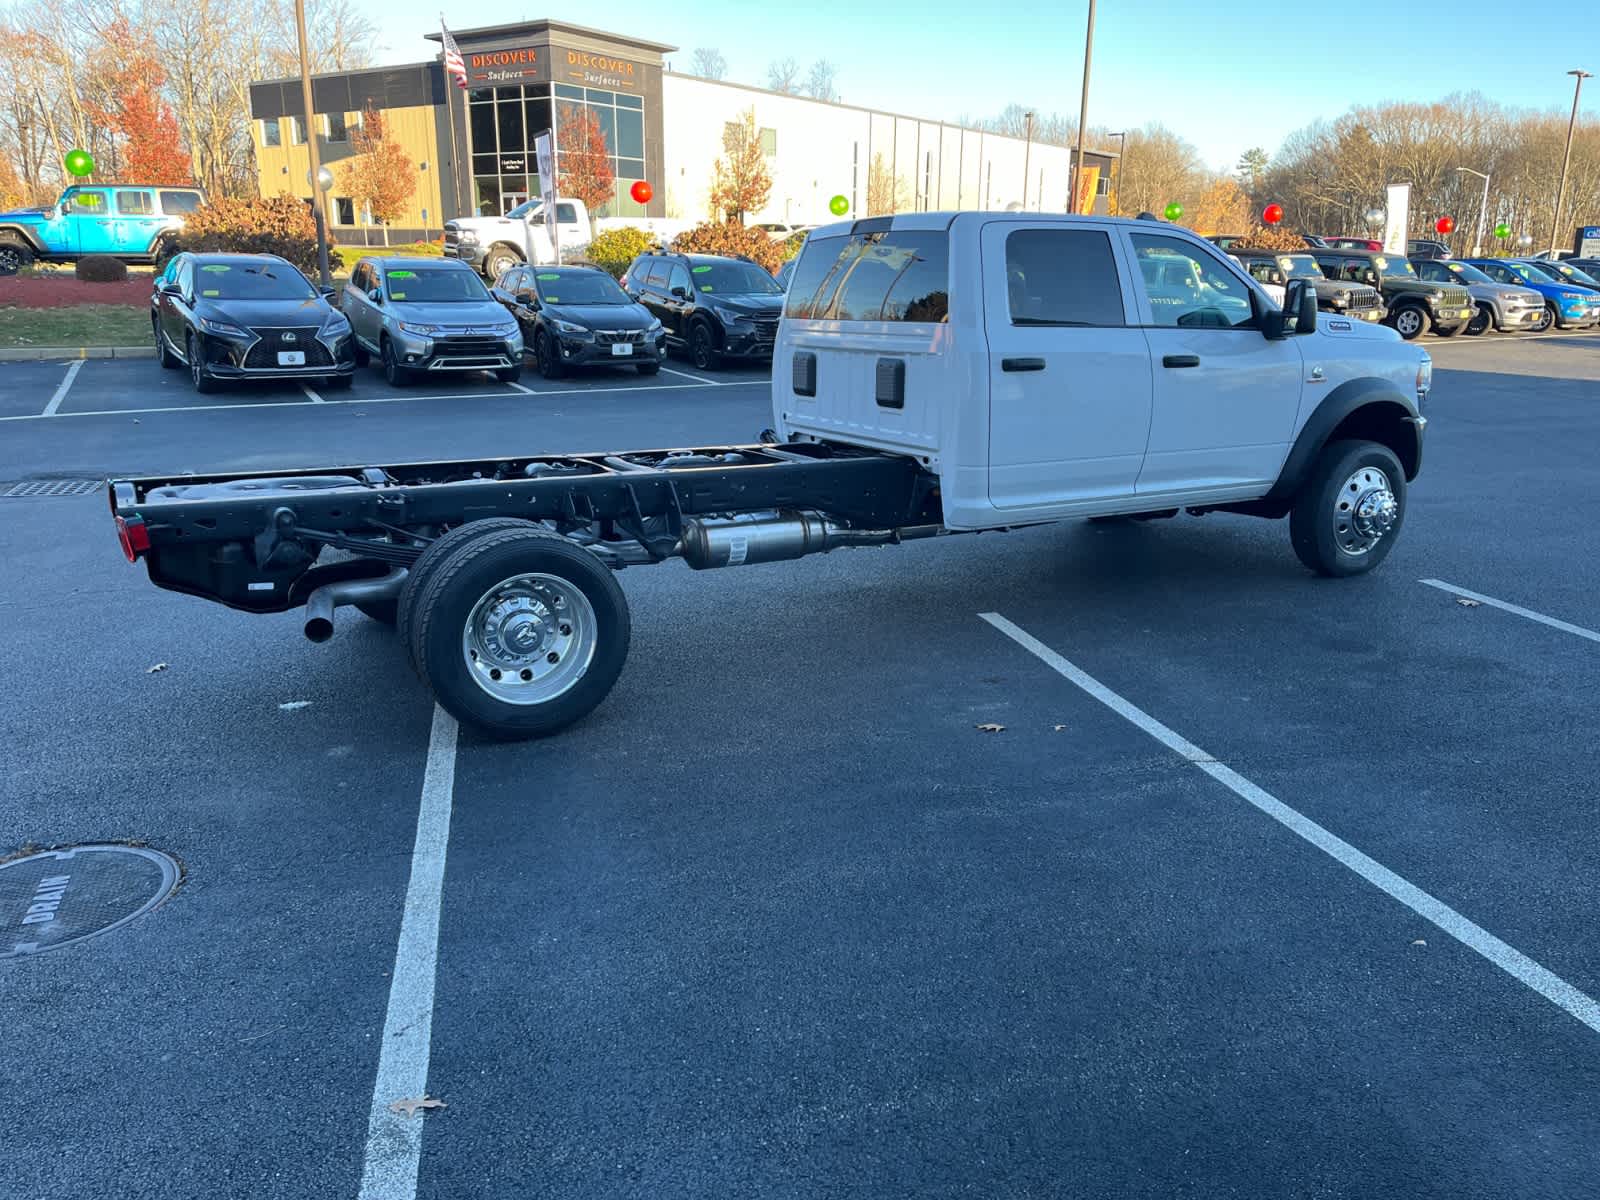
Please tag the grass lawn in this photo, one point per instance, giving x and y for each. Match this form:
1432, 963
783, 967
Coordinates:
78, 325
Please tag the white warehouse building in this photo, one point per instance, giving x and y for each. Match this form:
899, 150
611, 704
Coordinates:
474, 144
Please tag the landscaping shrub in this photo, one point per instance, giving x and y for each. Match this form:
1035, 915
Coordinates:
614, 249
792, 245
1275, 237
101, 268
282, 225
729, 237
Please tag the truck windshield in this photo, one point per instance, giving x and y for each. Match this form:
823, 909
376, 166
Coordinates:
1568, 274
434, 286
732, 279
1394, 267
579, 287
1465, 273
1299, 266
251, 281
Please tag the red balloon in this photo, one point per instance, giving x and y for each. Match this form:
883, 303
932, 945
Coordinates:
641, 191
1445, 224
1272, 214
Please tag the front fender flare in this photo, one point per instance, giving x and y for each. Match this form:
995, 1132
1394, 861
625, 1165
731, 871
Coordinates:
23, 233
1382, 405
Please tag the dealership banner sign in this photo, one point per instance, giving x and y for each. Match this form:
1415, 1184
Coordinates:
1395, 222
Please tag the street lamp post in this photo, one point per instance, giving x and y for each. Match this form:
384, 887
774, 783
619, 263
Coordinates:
1122, 159
1566, 159
1477, 242
1027, 155
316, 172
1083, 115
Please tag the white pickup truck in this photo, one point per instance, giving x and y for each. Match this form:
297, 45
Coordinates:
496, 244
934, 373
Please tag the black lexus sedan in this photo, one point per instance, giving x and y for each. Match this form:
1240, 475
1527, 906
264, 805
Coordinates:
229, 317
579, 317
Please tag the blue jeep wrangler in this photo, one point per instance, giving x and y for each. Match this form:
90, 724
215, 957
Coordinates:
125, 220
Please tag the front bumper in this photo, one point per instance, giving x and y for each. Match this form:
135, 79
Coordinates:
257, 355
467, 252
748, 341
1518, 318
587, 352
445, 352
1375, 314
1574, 318
1453, 317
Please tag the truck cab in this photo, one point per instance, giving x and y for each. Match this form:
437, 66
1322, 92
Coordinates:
1045, 367
127, 221
493, 245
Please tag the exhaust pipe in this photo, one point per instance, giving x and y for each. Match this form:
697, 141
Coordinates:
321, 603
777, 537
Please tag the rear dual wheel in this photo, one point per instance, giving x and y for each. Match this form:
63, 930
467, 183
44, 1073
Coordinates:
518, 632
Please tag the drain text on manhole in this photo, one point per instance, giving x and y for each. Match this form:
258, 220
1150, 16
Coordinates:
58, 897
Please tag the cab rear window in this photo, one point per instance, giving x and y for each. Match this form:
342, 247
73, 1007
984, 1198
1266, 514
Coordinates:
175, 203
894, 275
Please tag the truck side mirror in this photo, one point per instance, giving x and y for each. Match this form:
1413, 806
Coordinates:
376, 295
1300, 302
680, 293
172, 288
526, 299
326, 289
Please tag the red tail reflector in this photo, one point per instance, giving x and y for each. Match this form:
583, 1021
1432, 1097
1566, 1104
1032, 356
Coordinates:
135, 538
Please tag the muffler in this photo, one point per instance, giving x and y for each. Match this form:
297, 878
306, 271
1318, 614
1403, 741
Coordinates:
776, 537
321, 603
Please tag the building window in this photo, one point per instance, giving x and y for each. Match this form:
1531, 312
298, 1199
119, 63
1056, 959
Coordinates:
769, 142
344, 210
298, 130
337, 132
1102, 186
271, 132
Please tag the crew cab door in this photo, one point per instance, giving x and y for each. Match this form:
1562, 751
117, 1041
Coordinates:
1226, 397
574, 232
1068, 368
89, 221
358, 307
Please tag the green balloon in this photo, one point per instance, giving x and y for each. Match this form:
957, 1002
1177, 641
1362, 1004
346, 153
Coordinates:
1174, 211
1502, 230
838, 206
79, 163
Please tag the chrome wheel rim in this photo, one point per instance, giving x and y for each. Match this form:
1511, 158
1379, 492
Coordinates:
1408, 323
1364, 510
530, 638
192, 350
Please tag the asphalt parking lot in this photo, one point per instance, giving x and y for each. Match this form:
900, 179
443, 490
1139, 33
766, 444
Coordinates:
1268, 885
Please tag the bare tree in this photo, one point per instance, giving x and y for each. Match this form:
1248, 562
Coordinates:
819, 82
708, 63
783, 75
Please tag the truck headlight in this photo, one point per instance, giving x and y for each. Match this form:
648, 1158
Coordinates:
1424, 379
571, 329
224, 328
653, 329
1341, 299
414, 327
1436, 295
467, 238
729, 315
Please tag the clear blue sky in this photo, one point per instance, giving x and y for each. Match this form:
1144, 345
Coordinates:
1222, 75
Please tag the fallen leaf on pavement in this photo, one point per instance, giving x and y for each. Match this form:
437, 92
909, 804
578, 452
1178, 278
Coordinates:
291, 705
1419, 942
154, 669
1465, 603
989, 727
1060, 728
408, 1108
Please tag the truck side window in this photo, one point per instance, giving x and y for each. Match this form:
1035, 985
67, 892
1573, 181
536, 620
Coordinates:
134, 204
657, 276
1062, 277
566, 214
679, 278
359, 277
1189, 288
818, 258
893, 276
86, 202
175, 203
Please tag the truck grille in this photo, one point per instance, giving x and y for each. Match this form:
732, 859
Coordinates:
617, 337
1364, 299
265, 352
468, 347
766, 328
1456, 298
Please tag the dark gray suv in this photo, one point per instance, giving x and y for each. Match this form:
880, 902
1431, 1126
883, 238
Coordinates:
713, 307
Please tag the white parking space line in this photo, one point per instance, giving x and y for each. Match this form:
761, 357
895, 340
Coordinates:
687, 375
61, 392
394, 1141
406, 399
1509, 959
314, 397
517, 387
1504, 606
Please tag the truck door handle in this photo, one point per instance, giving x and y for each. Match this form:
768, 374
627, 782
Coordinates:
1181, 360
1022, 364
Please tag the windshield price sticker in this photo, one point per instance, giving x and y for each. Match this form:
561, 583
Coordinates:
402, 274
215, 269
548, 277
701, 270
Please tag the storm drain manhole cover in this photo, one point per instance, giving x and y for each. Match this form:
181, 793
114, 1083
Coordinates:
52, 487
58, 897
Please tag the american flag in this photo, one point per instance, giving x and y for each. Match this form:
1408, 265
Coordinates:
452, 57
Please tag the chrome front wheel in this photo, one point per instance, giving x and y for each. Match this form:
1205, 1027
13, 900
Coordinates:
1348, 511
1364, 510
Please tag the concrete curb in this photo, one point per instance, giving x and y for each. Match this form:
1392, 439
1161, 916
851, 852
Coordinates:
37, 353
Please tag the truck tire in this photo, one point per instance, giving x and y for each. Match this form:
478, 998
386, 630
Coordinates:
1349, 509
548, 356
438, 550
1547, 319
1482, 321
500, 259
393, 373
520, 633
1409, 321
15, 254
203, 383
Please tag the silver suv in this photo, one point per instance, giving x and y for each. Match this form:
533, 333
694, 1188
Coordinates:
1500, 306
420, 316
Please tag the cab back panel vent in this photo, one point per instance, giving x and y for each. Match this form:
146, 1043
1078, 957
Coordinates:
805, 373
50, 487
891, 383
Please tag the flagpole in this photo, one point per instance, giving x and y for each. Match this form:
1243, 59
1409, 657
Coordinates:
450, 84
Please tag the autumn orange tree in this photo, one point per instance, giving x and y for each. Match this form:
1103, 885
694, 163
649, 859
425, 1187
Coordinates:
380, 177
583, 160
1222, 208
130, 106
740, 183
